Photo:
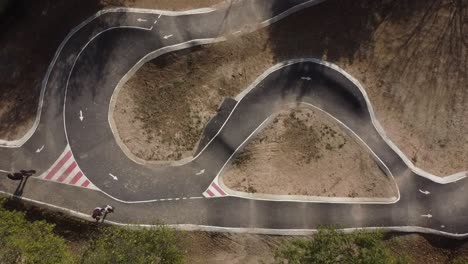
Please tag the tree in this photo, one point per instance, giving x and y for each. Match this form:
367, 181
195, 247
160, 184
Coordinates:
30, 242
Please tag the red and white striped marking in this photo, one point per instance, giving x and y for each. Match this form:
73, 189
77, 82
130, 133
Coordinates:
65, 170
214, 190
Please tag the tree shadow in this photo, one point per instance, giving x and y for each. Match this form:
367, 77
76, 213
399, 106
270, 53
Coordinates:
27, 45
413, 53
332, 30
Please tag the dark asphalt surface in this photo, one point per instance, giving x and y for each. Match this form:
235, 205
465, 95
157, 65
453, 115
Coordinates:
87, 72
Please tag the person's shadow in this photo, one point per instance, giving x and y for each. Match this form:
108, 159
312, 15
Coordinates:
20, 188
23, 181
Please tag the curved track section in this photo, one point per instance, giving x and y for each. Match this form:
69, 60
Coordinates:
90, 64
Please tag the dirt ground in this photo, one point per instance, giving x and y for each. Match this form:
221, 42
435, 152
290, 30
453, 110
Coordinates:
408, 55
231, 248
250, 248
161, 111
304, 153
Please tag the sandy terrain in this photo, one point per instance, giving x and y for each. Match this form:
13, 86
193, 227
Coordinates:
303, 152
411, 65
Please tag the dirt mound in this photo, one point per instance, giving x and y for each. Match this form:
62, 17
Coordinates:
303, 152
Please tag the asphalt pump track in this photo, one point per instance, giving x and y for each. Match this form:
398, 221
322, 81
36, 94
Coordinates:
72, 140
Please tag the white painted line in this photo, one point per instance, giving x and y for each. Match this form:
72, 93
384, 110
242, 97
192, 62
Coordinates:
81, 116
71, 175
73, 67
167, 36
306, 78
270, 231
156, 21
62, 169
313, 199
40, 149
196, 198
200, 172
18, 143
141, 20
169, 199
424, 192
177, 199
113, 176
442, 180
4, 171
427, 215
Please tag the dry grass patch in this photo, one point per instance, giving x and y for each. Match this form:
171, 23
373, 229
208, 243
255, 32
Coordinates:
302, 152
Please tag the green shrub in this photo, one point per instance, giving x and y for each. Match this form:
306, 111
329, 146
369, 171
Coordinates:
26, 242
124, 245
459, 260
332, 246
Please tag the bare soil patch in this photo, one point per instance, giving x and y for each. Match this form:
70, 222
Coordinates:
161, 111
303, 152
416, 75
410, 56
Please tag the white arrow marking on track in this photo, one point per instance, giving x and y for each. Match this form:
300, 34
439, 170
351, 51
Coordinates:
81, 116
427, 215
424, 192
167, 36
306, 78
200, 172
141, 20
113, 176
40, 149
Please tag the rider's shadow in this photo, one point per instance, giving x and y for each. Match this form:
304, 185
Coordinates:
24, 176
21, 185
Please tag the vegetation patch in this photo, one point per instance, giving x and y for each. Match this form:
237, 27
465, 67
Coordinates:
24, 239
333, 246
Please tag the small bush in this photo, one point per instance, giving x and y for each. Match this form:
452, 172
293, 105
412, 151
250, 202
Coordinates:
30, 242
124, 245
459, 260
332, 246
